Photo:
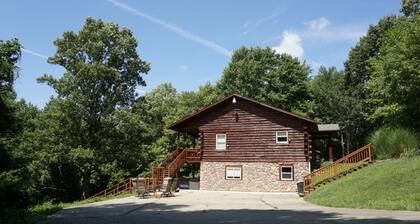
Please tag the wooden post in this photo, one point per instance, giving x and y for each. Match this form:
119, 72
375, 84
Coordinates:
370, 152
335, 169
330, 152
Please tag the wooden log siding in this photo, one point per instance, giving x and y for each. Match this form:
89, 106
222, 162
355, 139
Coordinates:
252, 137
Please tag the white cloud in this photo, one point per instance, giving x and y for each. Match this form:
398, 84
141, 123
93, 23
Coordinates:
178, 30
318, 24
291, 43
183, 67
34, 53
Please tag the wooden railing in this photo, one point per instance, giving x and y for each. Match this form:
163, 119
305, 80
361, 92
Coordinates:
124, 186
342, 165
193, 156
170, 157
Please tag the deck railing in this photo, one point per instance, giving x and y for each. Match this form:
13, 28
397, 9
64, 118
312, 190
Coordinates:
121, 187
340, 166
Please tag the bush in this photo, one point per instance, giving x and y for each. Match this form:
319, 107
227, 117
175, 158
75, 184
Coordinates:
394, 143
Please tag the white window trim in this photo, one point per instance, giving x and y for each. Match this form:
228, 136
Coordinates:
234, 177
281, 172
282, 142
225, 146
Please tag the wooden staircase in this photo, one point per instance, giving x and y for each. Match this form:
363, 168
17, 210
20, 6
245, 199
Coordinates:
342, 166
173, 163
167, 168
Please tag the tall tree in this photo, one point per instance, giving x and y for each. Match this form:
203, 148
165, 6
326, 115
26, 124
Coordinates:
332, 104
395, 82
103, 70
357, 73
357, 65
9, 56
259, 73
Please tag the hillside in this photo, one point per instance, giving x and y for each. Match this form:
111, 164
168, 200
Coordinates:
391, 184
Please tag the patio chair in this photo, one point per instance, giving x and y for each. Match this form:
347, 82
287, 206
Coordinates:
143, 187
167, 188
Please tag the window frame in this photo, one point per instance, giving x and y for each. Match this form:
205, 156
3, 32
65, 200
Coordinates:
225, 147
292, 172
233, 166
282, 142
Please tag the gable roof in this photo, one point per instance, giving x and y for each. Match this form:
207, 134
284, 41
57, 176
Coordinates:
186, 119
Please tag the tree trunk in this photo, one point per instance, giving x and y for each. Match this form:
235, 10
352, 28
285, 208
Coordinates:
85, 184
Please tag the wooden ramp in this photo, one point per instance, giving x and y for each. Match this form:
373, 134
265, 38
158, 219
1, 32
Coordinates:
340, 167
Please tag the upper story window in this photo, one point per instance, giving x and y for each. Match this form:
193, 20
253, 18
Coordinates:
233, 172
282, 137
220, 141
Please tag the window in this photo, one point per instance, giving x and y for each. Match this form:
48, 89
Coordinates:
233, 172
286, 172
282, 137
220, 141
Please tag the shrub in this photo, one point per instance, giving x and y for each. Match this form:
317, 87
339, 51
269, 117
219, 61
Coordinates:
394, 143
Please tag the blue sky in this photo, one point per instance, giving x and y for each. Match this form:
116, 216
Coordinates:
188, 42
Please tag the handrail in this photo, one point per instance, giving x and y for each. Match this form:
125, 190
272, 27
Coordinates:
338, 167
170, 157
127, 185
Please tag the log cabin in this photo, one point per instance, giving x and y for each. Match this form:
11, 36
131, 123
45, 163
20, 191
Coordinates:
245, 145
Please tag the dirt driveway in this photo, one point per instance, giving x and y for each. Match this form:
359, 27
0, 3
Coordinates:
223, 207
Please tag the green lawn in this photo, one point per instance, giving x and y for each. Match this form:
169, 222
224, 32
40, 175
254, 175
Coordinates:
392, 184
40, 212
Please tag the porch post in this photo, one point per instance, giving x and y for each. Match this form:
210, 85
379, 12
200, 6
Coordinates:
330, 149
177, 141
330, 152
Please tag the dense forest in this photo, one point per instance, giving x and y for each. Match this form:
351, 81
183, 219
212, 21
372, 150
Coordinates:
97, 130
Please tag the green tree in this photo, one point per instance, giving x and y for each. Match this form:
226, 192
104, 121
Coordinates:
103, 70
357, 73
9, 178
259, 73
356, 67
395, 82
332, 104
9, 56
410, 7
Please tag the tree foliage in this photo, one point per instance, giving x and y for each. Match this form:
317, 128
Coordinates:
410, 7
103, 71
259, 73
395, 82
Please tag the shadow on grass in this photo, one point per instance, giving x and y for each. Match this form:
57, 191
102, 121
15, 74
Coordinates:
40, 212
26, 216
162, 213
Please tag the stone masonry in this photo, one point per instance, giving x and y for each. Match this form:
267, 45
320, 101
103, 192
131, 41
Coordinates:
256, 177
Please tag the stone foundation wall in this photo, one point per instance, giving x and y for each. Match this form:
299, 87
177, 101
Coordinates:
256, 177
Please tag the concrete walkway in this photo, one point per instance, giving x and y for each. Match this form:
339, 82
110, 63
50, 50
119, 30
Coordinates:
223, 207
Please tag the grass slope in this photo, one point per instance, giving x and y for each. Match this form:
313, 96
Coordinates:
392, 185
